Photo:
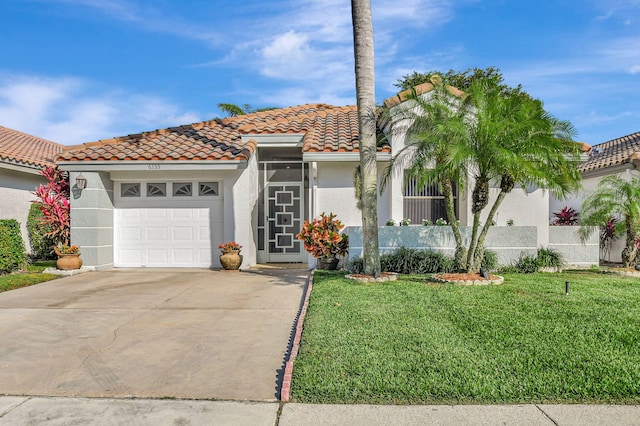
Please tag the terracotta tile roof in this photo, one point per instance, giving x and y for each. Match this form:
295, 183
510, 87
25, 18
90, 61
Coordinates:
27, 150
615, 152
326, 128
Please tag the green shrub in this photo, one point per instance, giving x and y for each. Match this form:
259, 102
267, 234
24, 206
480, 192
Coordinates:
527, 264
490, 260
12, 253
409, 261
41, 245
549, 258
356, 265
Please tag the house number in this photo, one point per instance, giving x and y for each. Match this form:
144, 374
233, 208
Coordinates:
154, 166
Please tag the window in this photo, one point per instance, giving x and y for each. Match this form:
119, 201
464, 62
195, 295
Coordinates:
207, 189
182, 189
130, 190
426, 202
156, 190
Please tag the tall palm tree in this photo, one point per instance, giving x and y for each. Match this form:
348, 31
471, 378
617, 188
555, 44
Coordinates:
618, 198
365, 94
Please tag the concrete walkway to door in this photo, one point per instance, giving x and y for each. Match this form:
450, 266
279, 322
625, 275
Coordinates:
150, 333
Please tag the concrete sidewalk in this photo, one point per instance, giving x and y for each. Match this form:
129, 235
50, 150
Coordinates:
86, 411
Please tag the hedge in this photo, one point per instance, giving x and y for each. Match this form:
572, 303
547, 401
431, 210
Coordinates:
41, 245
12, 253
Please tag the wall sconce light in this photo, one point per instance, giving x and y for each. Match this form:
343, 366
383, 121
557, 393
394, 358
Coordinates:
81, 182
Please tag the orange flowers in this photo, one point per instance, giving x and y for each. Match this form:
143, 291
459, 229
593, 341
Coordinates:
322, 237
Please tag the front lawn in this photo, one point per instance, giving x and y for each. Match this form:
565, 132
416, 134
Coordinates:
32, 275
413, 342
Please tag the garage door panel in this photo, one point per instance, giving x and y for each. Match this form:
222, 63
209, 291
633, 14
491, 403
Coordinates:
130, 234
182, 233
158, 257
165, 237
157, 234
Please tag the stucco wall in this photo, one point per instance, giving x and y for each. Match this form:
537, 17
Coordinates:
15, 197
92, 219
335, 193
509, 242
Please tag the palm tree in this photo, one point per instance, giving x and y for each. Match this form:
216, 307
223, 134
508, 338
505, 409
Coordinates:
615, 197
431, 124
514, 141
365, 94
489, 135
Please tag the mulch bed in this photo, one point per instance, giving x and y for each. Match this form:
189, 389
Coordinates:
468, 279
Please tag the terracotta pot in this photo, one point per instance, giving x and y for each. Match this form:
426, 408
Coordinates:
69, 261
231, 260
328, 264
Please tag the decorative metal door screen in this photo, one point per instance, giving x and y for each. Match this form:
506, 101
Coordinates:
284, 221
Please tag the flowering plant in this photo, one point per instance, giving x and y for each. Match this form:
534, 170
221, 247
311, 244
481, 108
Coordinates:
53, 200
66, 249
322, 237
230, 246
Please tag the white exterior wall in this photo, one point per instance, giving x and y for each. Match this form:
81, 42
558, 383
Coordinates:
526, 207
335, 193
16, 195
589, 185
240, 223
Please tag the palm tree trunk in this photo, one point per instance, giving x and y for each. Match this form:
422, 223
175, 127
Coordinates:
447, 192
480, 200
479, 254
366, 99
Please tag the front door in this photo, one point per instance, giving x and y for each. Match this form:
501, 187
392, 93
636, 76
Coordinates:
284, 202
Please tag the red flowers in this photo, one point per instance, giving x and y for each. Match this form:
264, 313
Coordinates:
230, 246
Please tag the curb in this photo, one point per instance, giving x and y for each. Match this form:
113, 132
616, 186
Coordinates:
288, 369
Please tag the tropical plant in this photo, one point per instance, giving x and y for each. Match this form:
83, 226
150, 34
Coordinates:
608, 234
488, 134
367, 117
322, 237
65, 249
616, 198
53, 200
405, 222
230, 246
566, 217
550, 258
390, 222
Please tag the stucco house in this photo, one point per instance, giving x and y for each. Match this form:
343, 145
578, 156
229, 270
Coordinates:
169, 197
22, 156
619, 156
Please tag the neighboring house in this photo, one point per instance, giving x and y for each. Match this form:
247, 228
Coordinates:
620, 156
169, 197
22, 156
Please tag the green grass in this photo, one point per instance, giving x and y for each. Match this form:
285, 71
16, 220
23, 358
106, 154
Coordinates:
411, 342
30, 276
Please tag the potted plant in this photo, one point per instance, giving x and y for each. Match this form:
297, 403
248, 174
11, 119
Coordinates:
230, 259
322, 238
68, 257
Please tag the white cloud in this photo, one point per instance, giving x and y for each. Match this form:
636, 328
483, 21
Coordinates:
71, 111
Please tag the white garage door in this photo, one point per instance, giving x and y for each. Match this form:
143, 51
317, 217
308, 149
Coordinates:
163, 237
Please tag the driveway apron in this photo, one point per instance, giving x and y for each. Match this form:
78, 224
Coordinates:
150, 333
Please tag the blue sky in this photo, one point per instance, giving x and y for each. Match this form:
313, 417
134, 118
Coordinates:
81, 70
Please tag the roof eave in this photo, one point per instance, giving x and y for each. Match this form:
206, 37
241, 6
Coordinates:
341, 156
158, 165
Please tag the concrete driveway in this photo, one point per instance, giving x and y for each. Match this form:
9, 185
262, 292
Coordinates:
150, 333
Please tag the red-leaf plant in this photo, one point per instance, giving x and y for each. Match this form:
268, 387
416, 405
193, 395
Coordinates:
53, 199
322, 237
566, 216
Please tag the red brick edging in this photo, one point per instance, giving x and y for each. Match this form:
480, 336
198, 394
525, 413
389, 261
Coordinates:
288, 369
